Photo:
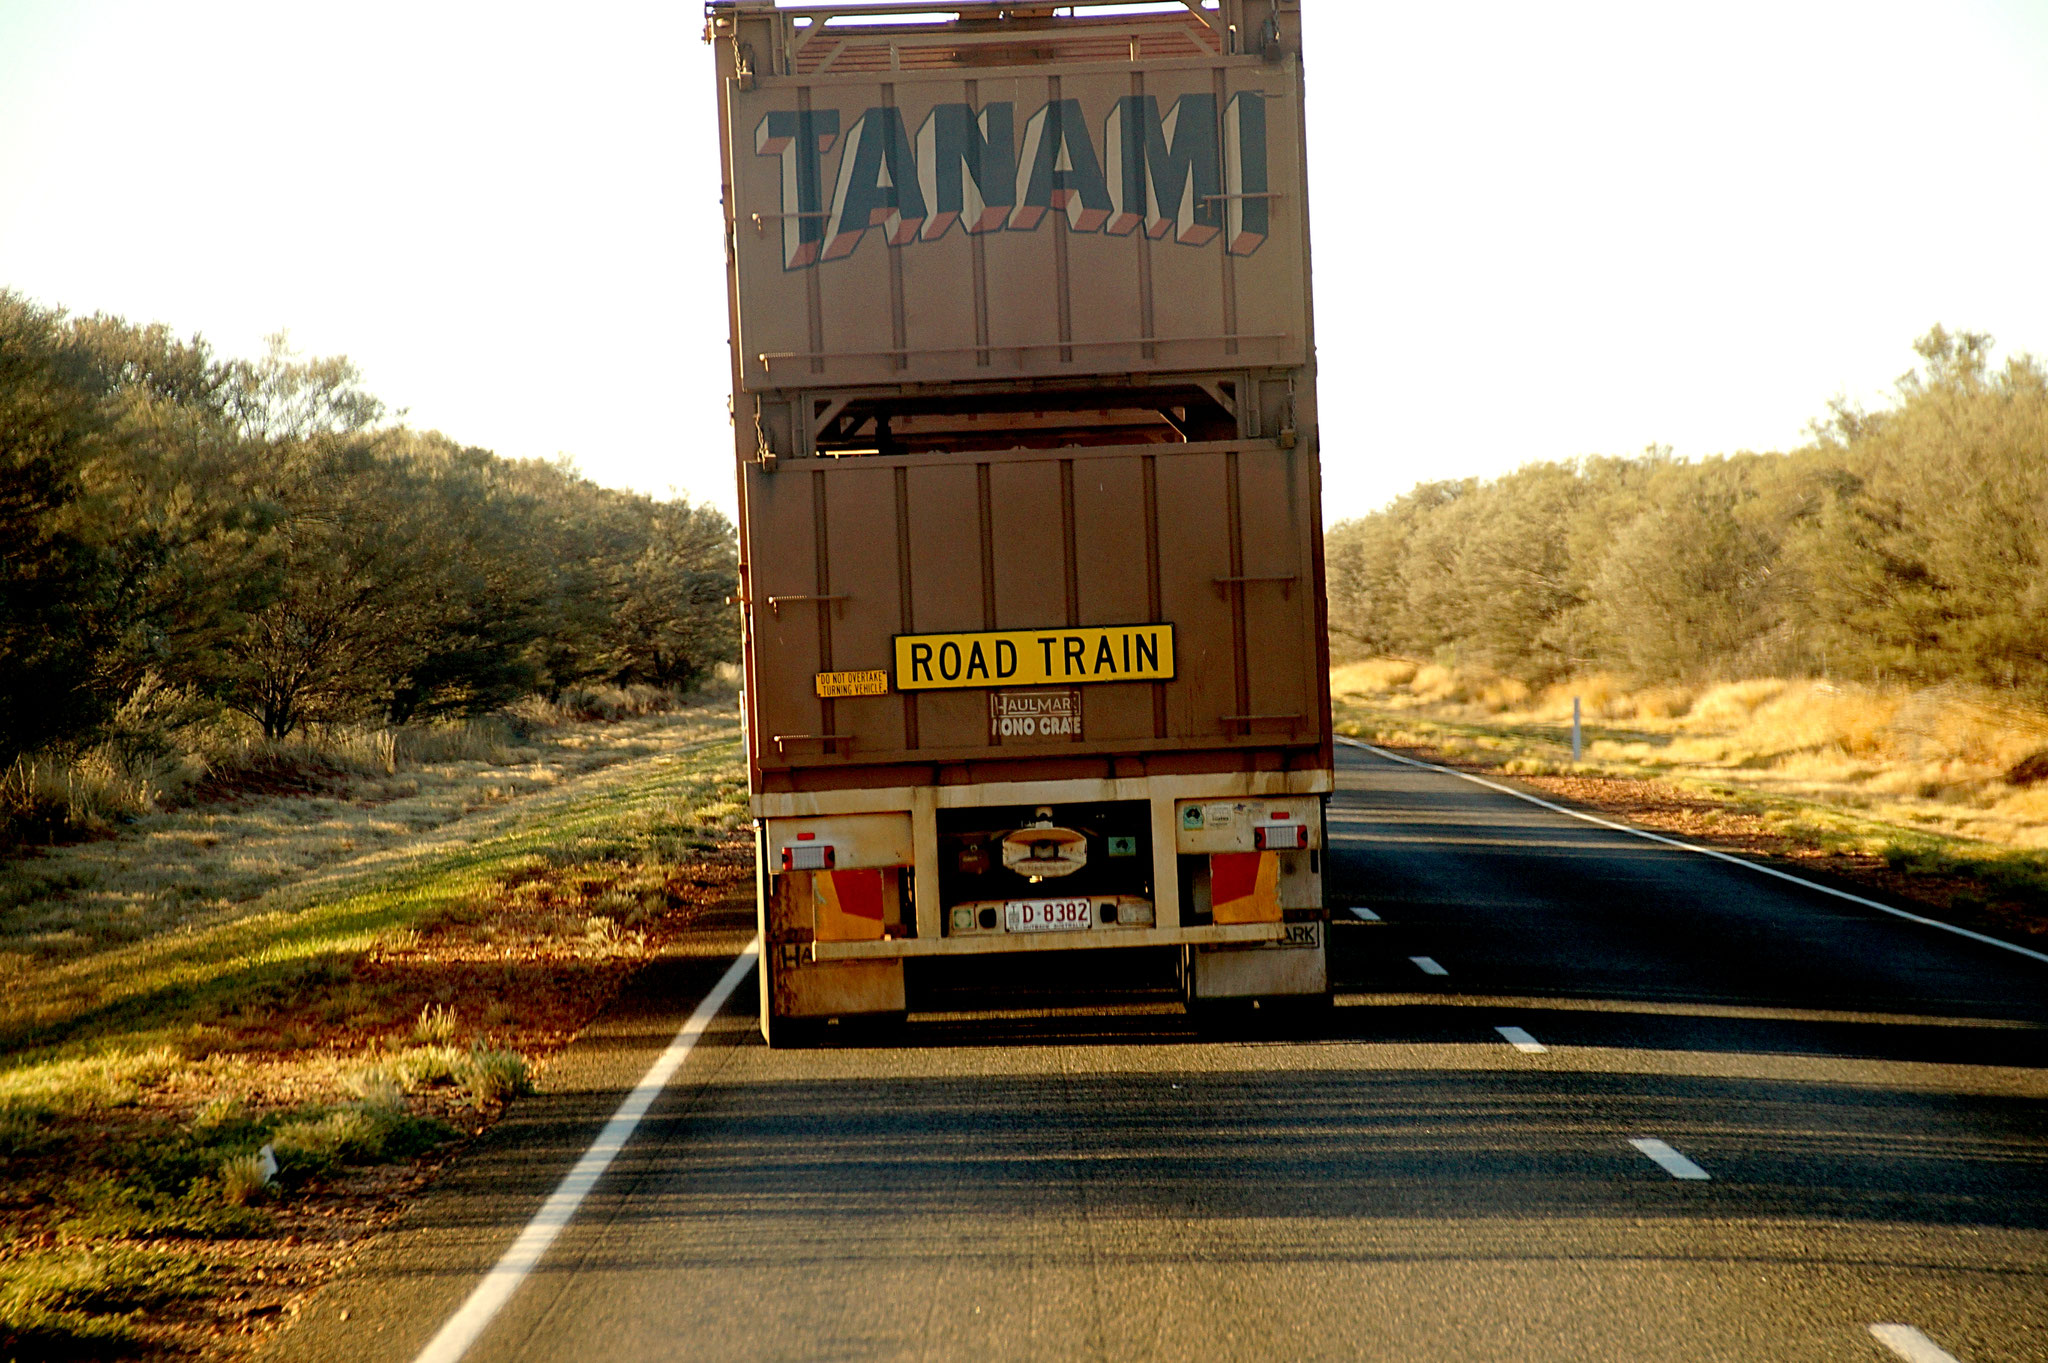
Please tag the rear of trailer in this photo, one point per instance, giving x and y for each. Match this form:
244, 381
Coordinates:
1031, 560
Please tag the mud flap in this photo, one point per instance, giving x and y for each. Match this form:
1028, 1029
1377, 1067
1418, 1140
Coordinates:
1295, 967
799, 994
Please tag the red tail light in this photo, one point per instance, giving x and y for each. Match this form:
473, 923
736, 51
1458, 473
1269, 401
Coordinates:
815, 856
1280, 837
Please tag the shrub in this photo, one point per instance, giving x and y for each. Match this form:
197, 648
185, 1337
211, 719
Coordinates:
497, 1076
486, 739
425, 1066
243, 1179
436, 1025
357, 1134
609, 704
380, 1086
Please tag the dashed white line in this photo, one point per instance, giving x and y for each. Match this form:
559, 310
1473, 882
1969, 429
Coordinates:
1521, 1040
1911, 1345
503, 1280
1428, 966
1363, 914
1669, 1160
1746, 864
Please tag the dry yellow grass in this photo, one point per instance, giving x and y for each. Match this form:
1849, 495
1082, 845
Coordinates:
164, 750
1933, 760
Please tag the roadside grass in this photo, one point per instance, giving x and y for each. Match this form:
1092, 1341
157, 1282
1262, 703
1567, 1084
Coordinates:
1933, 787
167, 749
85, 1303
195, 866
166, 1097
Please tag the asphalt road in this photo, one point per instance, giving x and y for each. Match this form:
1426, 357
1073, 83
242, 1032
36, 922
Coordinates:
1867, 1097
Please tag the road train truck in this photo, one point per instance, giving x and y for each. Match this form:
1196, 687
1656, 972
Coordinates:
1031, 573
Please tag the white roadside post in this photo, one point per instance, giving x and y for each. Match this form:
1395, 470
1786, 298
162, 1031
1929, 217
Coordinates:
1576, 750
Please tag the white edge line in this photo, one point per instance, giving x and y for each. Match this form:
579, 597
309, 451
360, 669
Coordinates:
1668, 1159
1771, 871
1521, 1040
503, 1280
1909, 1344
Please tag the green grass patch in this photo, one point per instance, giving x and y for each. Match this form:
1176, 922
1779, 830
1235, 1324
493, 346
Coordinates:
127, 1133
299, 941
78, 1304
362, 1133
170, 1181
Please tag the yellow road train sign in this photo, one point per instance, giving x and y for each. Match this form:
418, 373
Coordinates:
1035, 657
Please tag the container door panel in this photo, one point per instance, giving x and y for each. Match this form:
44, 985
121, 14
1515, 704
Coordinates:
856, 303
782, 562
1103, 302
1194, 550
1023, 300
1187, 263
946, 591
1111, 570
774, 311
856, 274
860, 552
1187, 301
1027, 516
938, 272
1279, 614
938, 304
1028, 519
1270, 302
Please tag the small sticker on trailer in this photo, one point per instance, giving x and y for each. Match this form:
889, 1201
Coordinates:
839, 685
1034, 714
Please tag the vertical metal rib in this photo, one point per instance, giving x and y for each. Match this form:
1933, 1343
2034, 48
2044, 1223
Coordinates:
905, 603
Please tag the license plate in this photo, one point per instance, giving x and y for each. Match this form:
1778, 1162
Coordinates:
1048, 915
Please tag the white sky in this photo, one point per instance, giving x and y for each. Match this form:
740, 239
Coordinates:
1540, 230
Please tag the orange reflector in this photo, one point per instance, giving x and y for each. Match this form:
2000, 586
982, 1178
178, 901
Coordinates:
1244, 887
852, 906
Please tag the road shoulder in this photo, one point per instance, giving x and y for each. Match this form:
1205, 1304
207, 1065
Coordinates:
405, 1281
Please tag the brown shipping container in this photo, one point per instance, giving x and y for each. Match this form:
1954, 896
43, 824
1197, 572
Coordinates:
1024, 408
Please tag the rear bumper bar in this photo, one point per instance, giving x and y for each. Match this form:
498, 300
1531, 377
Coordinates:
992, 943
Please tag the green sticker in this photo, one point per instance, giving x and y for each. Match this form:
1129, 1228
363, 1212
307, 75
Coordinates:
1123, 847
1191, 817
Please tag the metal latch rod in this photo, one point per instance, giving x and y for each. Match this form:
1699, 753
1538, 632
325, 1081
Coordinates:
761, 220
1286, 581
827, 739
775, 602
